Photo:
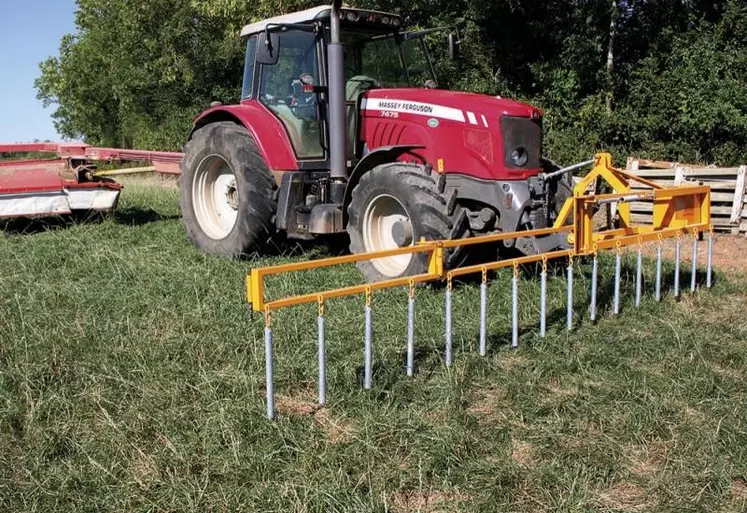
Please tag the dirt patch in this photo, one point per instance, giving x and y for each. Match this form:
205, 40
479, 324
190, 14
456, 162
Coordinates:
305, 404
487, 402
143, 469
694, 415
726, 372
729, 252
437, 416
557, 393
338, 430
512, 361
523, 453
739, 490
625, 496
648, 459
431, 501
300, 404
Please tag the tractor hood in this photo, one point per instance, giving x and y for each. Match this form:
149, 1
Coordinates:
483, 136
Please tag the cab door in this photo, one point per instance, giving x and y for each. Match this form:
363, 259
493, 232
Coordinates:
286, 88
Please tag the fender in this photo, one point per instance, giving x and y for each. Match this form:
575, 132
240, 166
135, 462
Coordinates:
381, 155
267, 130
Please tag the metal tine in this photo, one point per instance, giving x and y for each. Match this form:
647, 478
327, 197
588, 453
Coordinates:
569, 313
709, 269
411, 329
677, 267
694, 271
447, 351
593, 302
515, 308
322, 354
616, 299
657, 290
543, 299
368, 349
268, 367
639, 274
483, 312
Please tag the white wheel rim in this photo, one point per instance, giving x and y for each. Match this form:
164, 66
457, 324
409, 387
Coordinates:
382, 213
215, 197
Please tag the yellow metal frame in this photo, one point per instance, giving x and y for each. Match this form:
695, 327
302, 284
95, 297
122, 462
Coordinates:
255, 278
676, 211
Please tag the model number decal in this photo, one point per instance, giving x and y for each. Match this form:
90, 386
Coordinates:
389, 114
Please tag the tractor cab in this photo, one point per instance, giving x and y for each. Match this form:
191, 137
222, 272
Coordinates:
286, 63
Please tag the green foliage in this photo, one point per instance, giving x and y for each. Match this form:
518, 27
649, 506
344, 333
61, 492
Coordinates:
144, 69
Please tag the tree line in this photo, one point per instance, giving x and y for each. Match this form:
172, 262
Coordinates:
663, 79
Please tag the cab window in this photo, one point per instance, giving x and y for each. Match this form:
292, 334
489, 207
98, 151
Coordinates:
251, 50
286, 89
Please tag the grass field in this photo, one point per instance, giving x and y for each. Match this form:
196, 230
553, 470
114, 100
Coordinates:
132, 379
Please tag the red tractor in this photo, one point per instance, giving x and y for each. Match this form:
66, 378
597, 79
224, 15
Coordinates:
341, 128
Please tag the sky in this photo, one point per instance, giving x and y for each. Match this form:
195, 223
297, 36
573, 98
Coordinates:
30, 31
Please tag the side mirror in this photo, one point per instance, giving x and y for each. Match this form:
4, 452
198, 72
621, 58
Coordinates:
268, 48
454, 44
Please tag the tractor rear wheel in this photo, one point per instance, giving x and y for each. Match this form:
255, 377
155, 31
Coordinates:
226, 191
395, 205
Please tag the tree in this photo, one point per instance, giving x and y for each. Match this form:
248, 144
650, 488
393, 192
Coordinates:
673, 70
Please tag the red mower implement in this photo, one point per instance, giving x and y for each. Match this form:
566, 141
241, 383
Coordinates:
68, 180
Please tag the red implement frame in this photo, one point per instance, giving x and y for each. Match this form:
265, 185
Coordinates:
58, 185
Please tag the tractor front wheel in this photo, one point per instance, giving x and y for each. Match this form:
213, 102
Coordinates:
395, 205
226, 191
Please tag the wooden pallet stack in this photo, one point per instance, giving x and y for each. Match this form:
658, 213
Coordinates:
728, 209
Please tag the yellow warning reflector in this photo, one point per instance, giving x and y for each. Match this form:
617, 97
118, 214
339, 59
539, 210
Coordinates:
440, 165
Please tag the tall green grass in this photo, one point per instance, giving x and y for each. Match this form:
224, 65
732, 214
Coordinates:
132, 379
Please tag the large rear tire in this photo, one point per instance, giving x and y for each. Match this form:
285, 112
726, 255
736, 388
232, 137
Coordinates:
226, 191
395, 205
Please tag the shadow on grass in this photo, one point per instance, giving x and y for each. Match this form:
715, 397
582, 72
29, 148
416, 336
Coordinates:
128, 216
140, 216
319, 247
30, 226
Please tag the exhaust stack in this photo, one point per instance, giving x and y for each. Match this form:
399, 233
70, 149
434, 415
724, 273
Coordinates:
337, 122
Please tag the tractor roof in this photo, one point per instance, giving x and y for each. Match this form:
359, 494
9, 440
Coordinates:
315, 13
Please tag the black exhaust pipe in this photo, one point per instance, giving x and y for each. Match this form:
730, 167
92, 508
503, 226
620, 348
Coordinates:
336, 122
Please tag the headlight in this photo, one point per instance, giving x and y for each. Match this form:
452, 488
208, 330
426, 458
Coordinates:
519, 156
352, 16
385, 20
395, 22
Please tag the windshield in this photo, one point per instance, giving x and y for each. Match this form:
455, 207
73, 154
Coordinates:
374, 56
378, 57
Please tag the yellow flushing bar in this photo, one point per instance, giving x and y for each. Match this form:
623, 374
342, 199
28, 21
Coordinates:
677, 210
510, 262
255, 278
348, 291
648, 235
483, 239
